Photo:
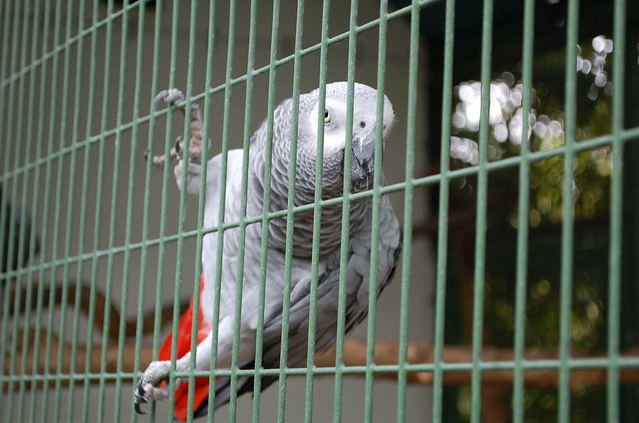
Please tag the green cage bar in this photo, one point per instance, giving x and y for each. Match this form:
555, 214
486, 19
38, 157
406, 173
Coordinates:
482, 213
567, 234
616, 216
523, 218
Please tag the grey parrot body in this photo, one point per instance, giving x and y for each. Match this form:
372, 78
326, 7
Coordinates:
359, 247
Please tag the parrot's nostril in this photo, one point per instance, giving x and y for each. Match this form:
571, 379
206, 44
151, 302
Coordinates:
362, 124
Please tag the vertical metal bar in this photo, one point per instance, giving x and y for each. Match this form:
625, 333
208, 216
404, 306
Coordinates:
239, 283
310, 366
186, 160
222, 203
82, 217
12, 253
482, 200
346, 209
203, 177
97, 216
45, 216
444, 191
206, 137
6, 66
522, 215
115, 188
56, 218
411, 119
266, 203
250, 67
34, 204
114, 201
3, 210
290, 216
147, 184
373, 282
616, 211
177, 288
567, 229
69, 211
22, 229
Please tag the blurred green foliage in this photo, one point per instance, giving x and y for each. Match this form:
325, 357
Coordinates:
590, 197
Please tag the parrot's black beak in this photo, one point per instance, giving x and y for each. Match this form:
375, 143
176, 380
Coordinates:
363, 158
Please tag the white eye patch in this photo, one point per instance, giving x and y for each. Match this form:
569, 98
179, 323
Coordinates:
334, 129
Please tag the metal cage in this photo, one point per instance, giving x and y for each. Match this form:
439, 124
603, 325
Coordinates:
100, 253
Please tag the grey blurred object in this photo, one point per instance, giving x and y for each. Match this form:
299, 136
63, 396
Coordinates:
15, 217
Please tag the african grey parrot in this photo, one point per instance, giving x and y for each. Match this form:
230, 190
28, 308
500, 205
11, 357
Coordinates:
363, 135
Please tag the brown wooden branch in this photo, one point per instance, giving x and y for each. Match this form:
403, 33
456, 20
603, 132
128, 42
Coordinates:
386, 353
100, 309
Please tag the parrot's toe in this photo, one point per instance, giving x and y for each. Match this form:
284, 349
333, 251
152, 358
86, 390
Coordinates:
147, 389
171, 96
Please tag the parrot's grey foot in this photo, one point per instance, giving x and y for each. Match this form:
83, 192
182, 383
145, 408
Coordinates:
176, 98
147, 389
172, 96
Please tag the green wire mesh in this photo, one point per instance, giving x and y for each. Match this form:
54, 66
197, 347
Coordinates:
76, 79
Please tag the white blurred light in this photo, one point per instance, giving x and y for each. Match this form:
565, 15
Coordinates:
464, 149
466, 93
501, 132
505, 118
459, 120
609, 46
601, 78
599, 43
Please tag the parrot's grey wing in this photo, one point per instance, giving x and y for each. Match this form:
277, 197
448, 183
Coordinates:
327, 298
389, 251
357, 290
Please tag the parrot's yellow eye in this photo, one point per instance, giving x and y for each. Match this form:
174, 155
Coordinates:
327, 116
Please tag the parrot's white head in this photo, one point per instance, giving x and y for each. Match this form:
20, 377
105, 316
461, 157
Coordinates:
363, 132
360, 137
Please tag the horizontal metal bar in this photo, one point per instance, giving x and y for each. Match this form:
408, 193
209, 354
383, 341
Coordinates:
507, 365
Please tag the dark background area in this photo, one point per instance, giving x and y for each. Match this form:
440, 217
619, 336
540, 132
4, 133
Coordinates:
591, 224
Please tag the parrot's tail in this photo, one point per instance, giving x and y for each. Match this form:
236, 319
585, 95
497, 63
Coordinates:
183, 347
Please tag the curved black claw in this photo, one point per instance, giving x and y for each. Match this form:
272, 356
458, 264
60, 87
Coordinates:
177, 147
146, 154
139, 399
138, 410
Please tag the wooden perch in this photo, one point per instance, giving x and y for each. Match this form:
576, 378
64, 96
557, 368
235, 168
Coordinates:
113, 326
386, 353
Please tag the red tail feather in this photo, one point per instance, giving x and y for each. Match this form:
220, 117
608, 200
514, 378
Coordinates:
183, 347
